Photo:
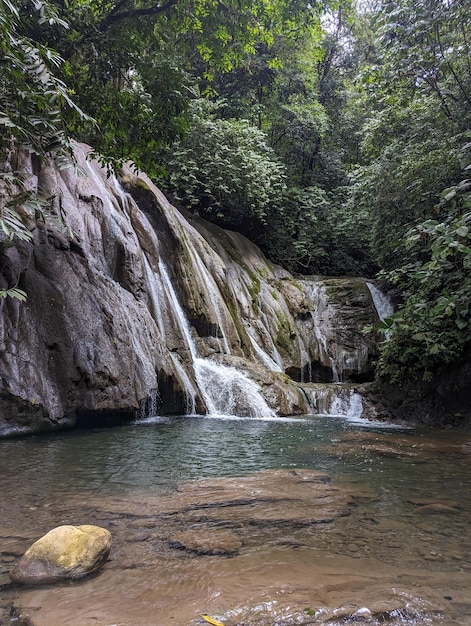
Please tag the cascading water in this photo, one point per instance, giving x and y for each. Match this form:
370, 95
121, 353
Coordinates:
209, 284
382, 303
264, 358
350, 407
228, 391
335, 400
334, 341
225, 390
317, 296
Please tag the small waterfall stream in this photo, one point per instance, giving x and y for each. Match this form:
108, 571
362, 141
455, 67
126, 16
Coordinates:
225, 390
320, 318
383, 304
335, 399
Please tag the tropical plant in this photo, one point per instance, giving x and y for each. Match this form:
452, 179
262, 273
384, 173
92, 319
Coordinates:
32, 100
225, 171
432, 328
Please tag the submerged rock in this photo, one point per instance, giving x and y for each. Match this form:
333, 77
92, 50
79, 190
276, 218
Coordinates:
217, 542
437, 507
66, 552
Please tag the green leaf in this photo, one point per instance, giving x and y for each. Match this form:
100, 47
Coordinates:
14, 292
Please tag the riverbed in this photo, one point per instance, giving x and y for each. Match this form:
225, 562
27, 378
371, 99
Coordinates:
276, 522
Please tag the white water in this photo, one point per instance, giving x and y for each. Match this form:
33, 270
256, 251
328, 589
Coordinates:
350, 407
335, 400
209, 284
225, 390
177, 310
383, 304
265, 359
155, 295
228, 391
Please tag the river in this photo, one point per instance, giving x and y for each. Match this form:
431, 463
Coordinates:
333, 522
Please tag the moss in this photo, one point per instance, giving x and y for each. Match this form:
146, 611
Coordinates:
296, 284
77, 547
346, 292
234, 313
254, 290
254, 287
285, 336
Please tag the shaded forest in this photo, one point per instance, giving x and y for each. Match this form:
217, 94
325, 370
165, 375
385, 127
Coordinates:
336, 136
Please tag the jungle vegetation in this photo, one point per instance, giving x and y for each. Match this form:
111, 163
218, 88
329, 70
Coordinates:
335, 135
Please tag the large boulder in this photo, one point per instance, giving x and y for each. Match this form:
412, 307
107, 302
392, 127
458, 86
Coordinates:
66, 552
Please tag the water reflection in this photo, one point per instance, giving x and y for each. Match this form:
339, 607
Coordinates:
386, 532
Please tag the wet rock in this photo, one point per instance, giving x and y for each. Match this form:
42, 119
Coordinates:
95, 304
217, 542
66, 552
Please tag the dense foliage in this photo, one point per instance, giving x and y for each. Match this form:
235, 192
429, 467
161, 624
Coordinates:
331, 135
433, 326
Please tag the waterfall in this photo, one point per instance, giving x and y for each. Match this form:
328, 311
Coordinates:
350, 406
149, 405
321, 322
188, 385
264, 358
332, 342
228, 391
155, 295
335, 400
179, 315
212, 292
382, 303
225, 390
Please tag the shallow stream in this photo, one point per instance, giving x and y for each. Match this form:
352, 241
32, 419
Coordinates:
274, 522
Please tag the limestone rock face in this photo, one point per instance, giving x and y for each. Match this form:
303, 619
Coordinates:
66, 552
119, 293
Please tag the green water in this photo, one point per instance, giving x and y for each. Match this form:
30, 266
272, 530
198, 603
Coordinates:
159, 453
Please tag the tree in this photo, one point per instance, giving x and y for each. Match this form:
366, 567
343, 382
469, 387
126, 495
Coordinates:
143, 61
225, 171
32, 101
414, 85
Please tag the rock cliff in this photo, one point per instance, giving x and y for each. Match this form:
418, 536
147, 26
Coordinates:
135, 307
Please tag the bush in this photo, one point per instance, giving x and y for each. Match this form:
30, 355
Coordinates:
225, 171
433, 326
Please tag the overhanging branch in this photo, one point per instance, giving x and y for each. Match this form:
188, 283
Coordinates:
118, 16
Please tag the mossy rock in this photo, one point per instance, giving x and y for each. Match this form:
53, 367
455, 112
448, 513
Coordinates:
66, 552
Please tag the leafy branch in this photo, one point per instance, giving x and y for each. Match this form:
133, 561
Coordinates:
32, 101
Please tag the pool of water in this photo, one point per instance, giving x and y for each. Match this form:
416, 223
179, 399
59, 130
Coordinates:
388, 542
